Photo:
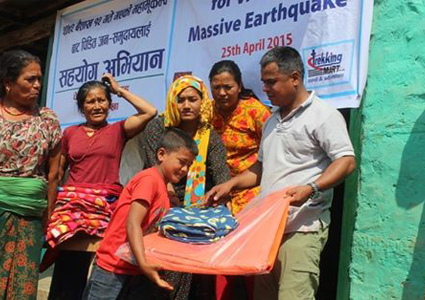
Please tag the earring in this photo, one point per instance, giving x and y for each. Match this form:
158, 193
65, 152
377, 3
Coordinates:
7, 90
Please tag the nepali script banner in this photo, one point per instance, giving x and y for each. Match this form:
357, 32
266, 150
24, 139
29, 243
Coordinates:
148, 43
127, 38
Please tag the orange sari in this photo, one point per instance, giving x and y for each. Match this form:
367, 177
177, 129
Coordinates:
241, 134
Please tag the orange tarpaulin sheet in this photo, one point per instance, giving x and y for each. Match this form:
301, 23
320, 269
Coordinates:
250, 249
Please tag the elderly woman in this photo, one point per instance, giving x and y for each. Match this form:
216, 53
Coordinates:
29, 160
92, 151
190, 109
238, 118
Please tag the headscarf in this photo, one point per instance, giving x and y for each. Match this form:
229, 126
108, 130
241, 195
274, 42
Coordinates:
172, 115
196, 177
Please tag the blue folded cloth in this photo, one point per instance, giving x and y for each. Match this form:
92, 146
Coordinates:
197, 225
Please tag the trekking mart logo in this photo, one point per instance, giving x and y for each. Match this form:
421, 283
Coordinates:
329, 64
324, 63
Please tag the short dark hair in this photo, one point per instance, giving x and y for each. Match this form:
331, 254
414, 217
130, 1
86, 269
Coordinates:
11, 64
174, 139
287, 59
86, 88
233, 69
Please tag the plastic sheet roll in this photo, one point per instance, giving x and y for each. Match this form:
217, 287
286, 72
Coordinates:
250, 249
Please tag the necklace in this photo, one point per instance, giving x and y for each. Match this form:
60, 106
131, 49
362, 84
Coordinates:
93, 138
90, 132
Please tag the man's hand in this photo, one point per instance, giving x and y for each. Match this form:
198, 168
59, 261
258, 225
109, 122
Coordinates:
299, 194
151, 272
218, 192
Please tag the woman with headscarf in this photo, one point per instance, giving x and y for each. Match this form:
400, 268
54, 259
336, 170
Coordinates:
29, 160
188, 108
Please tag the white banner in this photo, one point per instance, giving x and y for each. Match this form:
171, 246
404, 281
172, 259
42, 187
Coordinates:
126, 38
147, 43
331, 36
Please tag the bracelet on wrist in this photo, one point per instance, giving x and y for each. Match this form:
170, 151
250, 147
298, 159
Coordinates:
316, 190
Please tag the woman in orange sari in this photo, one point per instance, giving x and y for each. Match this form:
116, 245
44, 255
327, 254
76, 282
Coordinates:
238, 117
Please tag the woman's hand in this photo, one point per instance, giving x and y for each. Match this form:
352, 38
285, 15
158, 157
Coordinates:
145, 111
113, 84
218, 194
52, 180
45, 220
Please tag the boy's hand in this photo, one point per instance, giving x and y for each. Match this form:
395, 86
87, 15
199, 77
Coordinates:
174, 200
135, 217
151, 272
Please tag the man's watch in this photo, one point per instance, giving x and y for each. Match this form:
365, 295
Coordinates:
316, 190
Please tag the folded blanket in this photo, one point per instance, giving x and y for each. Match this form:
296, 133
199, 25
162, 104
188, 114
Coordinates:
79, 209
196, 225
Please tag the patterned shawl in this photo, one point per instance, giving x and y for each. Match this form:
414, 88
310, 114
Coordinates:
195, 186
